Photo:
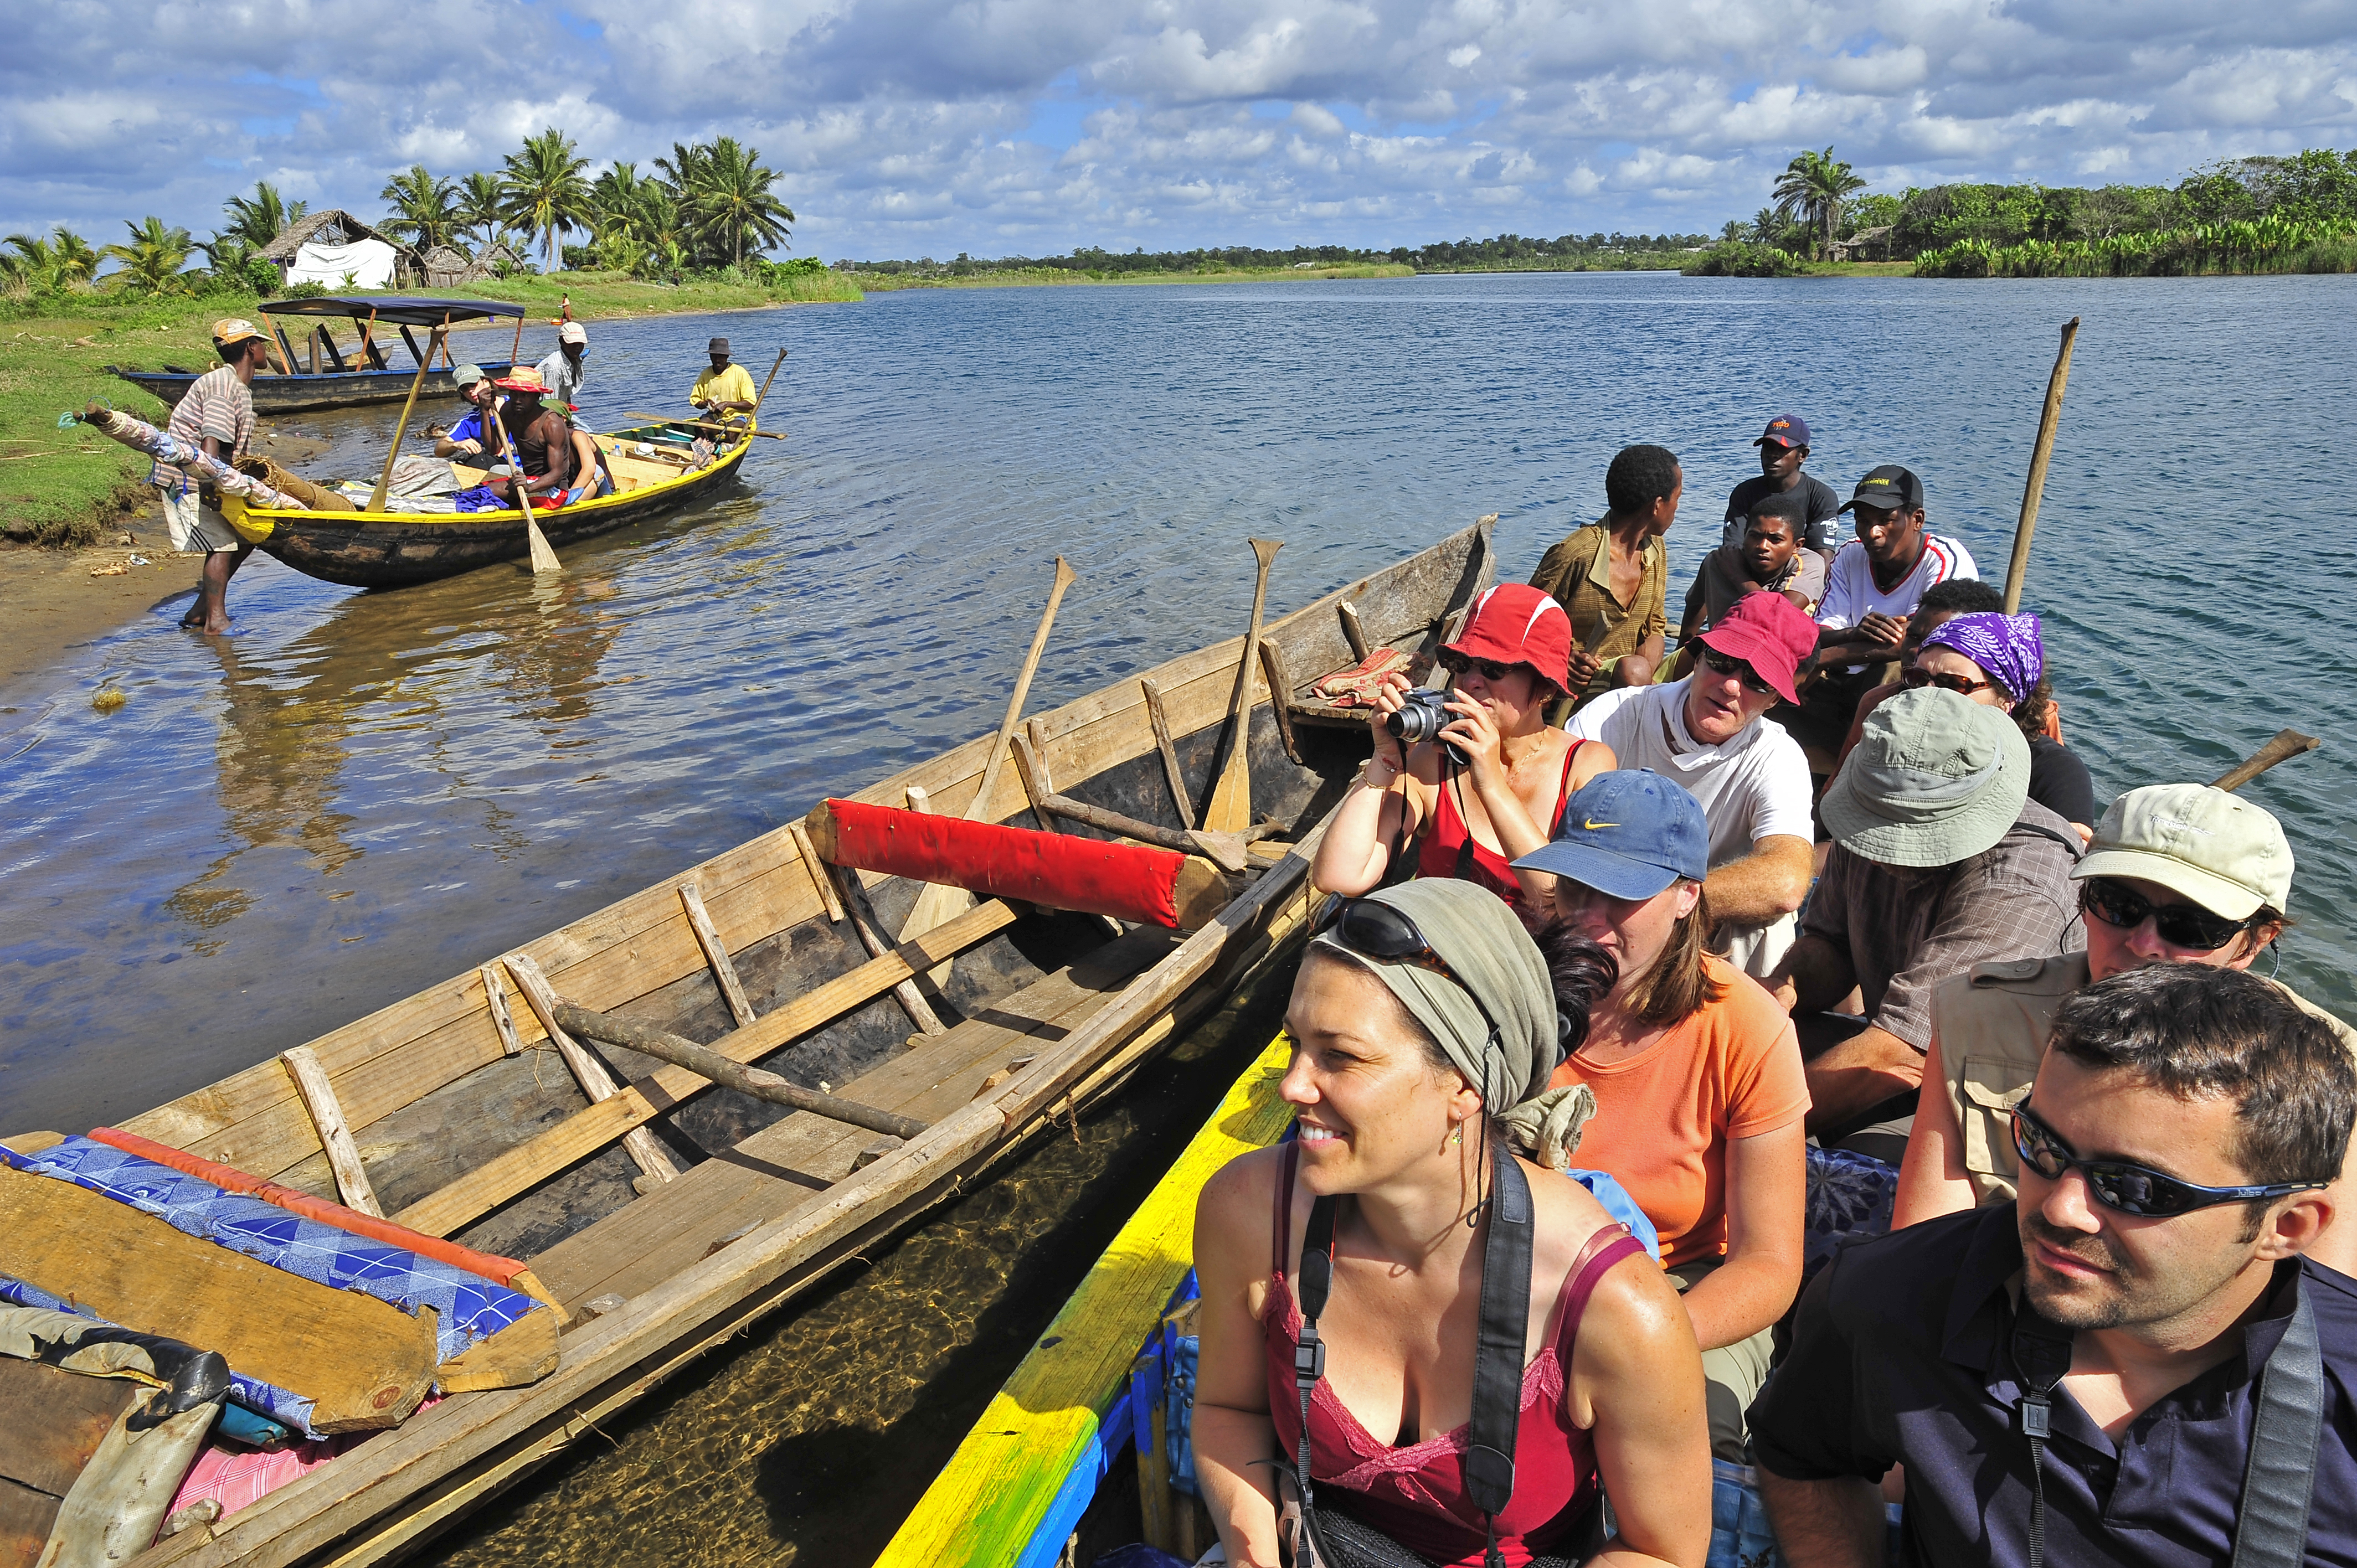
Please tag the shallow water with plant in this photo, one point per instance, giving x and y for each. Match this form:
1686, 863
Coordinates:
358, 794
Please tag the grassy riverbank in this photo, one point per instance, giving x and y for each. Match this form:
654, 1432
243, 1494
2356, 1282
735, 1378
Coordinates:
67, 487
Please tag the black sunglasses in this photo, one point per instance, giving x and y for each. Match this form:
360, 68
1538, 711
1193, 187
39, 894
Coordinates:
1719, 663
1962, 685
1491, 671
2188, 926
1380, 930
2130, 1188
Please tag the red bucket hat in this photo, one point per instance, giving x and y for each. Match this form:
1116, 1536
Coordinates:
1770, 633
1514, 623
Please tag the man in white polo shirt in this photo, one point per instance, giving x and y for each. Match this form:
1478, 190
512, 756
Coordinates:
1706, 734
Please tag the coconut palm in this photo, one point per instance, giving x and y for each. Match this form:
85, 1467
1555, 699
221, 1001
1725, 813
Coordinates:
63, 262
730, 200
1812, 189
481, 206
425, 209
546, 193
153, 259
261, 217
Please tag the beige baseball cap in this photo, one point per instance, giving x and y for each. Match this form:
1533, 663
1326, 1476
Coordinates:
2224, 854
234, 330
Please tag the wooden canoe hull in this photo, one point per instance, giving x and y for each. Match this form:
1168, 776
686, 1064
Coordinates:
274, 393
473, 1132
397, 550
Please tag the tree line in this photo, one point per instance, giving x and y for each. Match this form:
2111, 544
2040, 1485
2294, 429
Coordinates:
703, 208
1504, 252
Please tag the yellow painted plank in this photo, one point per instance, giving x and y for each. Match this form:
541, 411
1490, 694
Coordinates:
989, 1499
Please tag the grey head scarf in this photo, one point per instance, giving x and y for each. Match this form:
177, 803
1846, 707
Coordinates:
1482, 942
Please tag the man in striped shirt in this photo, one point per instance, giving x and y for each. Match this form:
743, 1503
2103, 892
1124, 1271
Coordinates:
217, 412
1871, 589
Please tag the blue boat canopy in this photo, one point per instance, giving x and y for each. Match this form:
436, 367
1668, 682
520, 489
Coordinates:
401, 310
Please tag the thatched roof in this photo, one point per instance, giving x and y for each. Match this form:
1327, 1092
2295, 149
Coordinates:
335, 225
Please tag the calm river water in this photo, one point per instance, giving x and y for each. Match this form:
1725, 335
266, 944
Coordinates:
359, 794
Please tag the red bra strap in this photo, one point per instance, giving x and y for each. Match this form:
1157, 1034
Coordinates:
1604, 1249
1563, 788
1281, 1224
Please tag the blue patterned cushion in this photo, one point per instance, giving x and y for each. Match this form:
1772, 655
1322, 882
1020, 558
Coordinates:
1849, 1196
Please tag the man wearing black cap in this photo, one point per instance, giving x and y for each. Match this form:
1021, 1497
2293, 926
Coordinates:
1784, 447
724, 389
1874, 585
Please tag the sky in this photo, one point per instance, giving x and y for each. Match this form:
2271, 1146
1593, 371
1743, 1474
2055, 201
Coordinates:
930, 127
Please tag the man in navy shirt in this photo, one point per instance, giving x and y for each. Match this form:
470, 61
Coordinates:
2083, 1368
1784, 447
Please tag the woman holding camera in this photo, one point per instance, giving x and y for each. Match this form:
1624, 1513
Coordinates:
1491, 786
1423, 1030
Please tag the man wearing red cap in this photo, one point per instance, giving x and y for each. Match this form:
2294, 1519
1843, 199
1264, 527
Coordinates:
1488, 787
1706, 734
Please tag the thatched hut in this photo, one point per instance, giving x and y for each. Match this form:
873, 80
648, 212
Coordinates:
337, 249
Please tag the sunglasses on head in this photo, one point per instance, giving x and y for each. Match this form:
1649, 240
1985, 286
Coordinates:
1719, 663
1962, 685
2188, 926
1457, 664
1380, 930
2132, 1189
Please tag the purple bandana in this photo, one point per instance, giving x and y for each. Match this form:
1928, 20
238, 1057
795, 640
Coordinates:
2008, 647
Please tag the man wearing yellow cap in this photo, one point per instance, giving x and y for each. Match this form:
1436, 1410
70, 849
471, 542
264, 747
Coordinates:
217, 411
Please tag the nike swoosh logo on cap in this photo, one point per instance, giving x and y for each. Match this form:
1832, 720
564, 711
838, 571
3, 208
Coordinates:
1593, 826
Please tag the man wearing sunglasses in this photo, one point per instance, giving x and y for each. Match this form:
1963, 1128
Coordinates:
1706, 734
2177, 874
2136, 1362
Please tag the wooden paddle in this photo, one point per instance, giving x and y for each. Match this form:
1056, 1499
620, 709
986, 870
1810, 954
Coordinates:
703, 424
2027, 528
543, 559
1230, 811
385, 480
764, 395
2286, 744
937, 903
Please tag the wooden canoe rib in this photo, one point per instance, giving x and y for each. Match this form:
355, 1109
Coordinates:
468, 1125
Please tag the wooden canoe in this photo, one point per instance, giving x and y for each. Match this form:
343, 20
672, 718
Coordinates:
327, 379
396, 549
296, 393
1070, 1449
666, 1214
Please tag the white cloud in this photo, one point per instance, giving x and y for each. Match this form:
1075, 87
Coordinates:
906, 127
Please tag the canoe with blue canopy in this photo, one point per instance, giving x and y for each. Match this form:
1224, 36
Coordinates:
325, 374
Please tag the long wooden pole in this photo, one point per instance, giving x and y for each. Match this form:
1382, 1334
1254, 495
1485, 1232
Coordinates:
703, 425
772, 376
708, 1063
401, 430
543, 559
937, 902
2025, 529
1230, 809
2286, 744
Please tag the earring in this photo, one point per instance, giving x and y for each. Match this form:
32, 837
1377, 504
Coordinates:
1457, 1137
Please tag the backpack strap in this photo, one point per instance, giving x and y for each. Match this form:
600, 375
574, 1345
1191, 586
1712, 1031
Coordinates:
1498, 1353
2271, 1531
2041, 1351
1309, 1351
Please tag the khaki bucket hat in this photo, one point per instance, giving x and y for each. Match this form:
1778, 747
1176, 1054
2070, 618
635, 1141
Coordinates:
2227, 855
1937, 778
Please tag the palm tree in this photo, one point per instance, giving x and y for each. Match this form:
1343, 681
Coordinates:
261, 217
155, 257
546, 193
1812, 188
615, 200
730, 199
63, 262
424, 209
480, 202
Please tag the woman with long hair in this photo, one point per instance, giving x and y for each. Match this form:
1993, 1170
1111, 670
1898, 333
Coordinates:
1425, 1029
1487, 788
1696, 1071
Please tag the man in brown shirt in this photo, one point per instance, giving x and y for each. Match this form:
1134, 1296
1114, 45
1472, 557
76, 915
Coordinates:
1611, 577
217, 413
1940, 861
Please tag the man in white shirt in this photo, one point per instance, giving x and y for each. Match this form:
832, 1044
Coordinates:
563, 372
1874, 585
1706, 734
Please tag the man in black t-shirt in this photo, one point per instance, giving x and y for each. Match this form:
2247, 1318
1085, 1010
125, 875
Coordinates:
1784, 446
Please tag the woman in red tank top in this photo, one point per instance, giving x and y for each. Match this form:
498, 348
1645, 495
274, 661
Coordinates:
1413, 995
1503, 800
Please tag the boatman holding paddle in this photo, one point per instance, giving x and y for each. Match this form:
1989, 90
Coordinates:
217, 411
724, 389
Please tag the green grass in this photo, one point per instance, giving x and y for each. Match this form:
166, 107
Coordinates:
64, 487
1032, 277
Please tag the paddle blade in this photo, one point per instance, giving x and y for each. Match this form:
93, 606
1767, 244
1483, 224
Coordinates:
543, 559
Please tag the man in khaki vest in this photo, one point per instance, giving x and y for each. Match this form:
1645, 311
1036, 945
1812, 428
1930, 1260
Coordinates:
2177, 874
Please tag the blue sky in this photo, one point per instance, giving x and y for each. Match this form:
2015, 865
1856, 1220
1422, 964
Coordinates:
928, 127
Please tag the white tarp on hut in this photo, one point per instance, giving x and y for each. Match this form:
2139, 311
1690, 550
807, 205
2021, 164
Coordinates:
356, 263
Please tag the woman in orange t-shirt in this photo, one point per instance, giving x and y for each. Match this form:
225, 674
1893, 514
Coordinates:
1699, 1090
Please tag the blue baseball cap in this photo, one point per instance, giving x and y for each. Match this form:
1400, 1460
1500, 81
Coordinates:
1786, 430
1628, 834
